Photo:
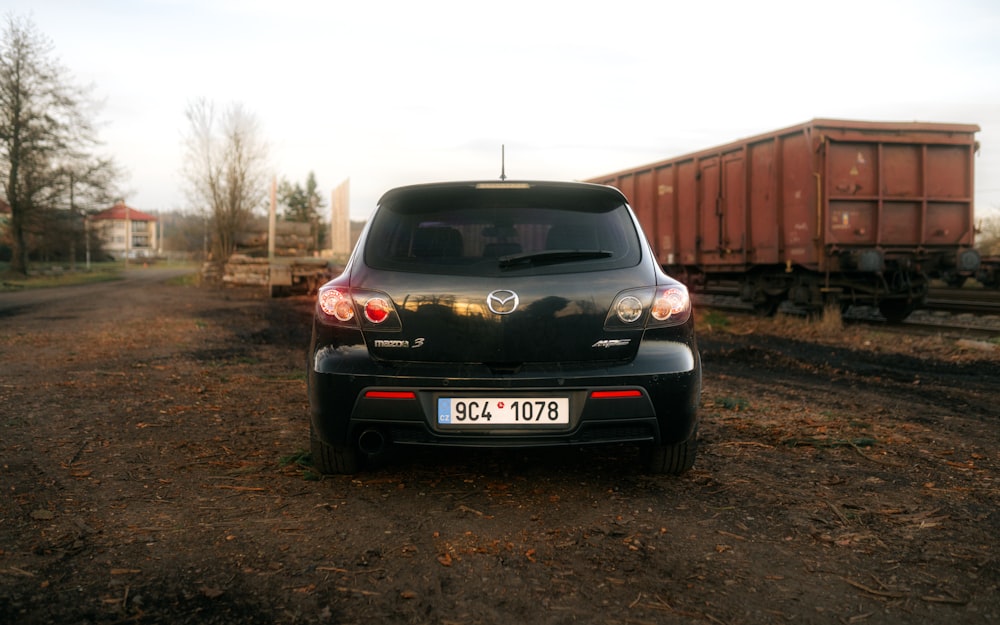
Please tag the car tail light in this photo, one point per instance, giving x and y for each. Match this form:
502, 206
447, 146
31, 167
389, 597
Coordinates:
649, 307
337, 303
370, 309
628, 309
670, 302
377, 310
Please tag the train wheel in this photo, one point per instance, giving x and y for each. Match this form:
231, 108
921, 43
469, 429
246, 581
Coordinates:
764, 298
766, 305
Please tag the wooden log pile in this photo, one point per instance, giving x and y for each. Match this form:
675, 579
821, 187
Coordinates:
306, 274
291, 238
243, 270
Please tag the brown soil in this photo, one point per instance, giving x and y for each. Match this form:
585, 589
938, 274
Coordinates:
153, 470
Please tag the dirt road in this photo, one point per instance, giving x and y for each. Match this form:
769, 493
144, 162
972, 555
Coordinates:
153, 470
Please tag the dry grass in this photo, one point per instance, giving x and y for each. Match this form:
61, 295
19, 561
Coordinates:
830, 329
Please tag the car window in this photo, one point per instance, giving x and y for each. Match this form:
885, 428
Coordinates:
502, 233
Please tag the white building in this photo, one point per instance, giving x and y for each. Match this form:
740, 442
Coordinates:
126, 231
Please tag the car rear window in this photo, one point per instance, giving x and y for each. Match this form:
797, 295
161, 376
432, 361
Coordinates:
498, 232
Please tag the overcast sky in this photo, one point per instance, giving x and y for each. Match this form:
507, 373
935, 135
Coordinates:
388, 93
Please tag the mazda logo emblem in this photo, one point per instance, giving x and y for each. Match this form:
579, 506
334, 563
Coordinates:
502, 302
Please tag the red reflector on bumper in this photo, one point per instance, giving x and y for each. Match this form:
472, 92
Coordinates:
616, 394
390, 395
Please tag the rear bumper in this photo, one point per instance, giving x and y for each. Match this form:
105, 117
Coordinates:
667, 375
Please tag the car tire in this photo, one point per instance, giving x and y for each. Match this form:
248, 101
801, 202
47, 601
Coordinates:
333, 459
671, 459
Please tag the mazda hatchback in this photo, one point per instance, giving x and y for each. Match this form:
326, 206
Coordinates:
503, 314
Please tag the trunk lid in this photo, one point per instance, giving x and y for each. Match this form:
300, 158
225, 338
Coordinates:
508, 322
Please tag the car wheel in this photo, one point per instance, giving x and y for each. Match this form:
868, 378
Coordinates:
333, 459
671, 459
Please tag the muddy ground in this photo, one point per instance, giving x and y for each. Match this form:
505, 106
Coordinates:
153, 469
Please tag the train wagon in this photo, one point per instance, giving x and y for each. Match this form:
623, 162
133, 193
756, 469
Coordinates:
825, 212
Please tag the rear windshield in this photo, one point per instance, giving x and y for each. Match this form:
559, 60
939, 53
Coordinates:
491, 233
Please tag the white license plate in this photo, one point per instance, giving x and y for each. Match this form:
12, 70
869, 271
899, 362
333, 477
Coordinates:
488, 411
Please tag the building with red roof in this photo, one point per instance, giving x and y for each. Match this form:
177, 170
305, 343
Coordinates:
126, 232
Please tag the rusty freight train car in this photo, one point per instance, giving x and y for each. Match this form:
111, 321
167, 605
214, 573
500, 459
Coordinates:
829, 211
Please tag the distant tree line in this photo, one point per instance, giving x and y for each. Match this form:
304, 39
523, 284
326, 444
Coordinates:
52, 176
226, 170
50, 172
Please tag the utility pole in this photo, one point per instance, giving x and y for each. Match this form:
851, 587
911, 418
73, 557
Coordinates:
128, 233
86, 237
272, 220
340, 221
72, 223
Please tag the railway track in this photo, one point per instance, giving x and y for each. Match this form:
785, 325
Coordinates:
973, 301
971, 312
966, 313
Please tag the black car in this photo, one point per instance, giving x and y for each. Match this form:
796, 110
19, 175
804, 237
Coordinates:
503, 314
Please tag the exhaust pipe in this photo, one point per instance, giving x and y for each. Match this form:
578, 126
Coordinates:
371, 442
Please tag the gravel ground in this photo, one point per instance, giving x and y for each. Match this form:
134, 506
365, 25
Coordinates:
154, 471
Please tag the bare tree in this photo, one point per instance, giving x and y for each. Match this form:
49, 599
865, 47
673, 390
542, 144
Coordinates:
226, 169
988, 236
46, 139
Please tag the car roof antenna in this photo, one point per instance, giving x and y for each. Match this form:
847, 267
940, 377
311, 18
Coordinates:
503, 163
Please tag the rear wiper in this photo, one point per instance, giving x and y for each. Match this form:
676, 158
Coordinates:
551, 257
